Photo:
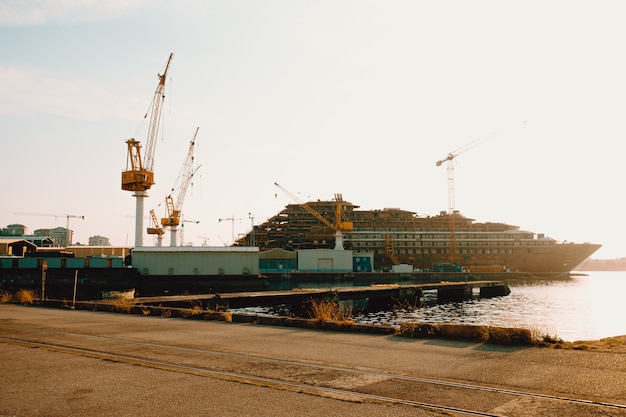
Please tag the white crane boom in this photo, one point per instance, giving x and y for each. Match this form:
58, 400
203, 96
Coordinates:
450, 163
174, 206
155, 118
139, 174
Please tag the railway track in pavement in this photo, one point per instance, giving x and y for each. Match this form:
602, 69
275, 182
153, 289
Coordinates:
343, 383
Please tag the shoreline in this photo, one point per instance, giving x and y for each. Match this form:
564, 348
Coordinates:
463, 332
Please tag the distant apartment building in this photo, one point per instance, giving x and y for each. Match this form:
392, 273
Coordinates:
99, 241
14, 230
61, 236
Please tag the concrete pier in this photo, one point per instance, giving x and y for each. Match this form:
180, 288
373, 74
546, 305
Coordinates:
377, 296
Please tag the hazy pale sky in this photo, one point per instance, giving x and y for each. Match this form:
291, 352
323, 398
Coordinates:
354, 97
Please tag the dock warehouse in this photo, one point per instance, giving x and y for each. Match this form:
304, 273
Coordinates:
190, 260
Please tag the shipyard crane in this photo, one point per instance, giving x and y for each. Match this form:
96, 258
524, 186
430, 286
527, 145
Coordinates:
139, 174
174, 206
252, 241
232, 220
449, 159
182, 229
342, 224
156, 229
68, 239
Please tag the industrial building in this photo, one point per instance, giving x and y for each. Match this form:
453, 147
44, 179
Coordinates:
198, 261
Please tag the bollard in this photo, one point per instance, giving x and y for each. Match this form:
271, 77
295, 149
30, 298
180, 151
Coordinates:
456, 293
495, 291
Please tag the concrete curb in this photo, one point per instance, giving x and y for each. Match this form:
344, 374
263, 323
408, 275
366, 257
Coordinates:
486, 334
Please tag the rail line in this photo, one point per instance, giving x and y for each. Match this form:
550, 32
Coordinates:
274, 382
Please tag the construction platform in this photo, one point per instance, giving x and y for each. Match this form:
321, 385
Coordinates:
377, 296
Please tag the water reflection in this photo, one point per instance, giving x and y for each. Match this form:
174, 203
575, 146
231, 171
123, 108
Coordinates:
572, 308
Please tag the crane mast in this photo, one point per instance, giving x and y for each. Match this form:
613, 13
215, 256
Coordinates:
173, 206
342, 224
449, 160
232, 226
139, 174
156, 229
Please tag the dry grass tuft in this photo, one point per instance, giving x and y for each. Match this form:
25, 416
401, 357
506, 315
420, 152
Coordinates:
324, 310
123, 304
545, 339
407, 305
5, 296
195, 310
25, 296
196, 307
419, 330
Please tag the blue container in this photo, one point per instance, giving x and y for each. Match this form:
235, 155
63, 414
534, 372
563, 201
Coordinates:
362, 264
97, 262
27, 263
74, 263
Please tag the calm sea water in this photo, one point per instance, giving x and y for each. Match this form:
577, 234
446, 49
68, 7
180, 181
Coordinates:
575, 308
579, 307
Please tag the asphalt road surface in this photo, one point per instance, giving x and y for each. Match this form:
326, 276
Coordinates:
57, 362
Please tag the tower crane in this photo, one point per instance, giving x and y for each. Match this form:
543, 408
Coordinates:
68, 239
252, 241
182, 229
342, 224
173, 206
139, 174
449, 159
156, 229
232, 226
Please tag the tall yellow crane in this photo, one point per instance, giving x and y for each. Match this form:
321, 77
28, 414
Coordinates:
156, 228
139, 174
449, 159
173, 206
342, 224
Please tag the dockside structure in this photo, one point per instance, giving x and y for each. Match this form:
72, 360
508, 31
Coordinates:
428, 243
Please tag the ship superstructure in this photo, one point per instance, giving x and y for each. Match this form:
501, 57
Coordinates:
427, 243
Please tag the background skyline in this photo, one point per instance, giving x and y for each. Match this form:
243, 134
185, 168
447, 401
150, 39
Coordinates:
354, 97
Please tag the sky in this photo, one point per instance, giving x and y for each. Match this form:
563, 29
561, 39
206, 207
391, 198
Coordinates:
354, 97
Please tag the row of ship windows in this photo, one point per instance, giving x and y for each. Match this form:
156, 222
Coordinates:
446, 251
446, 243
444, 236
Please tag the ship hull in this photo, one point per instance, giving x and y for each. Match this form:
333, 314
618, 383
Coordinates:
428, 243
560, 258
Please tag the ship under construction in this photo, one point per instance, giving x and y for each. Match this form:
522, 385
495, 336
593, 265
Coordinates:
427, 243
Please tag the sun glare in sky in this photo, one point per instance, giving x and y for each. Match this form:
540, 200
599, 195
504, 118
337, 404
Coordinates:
354, 97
